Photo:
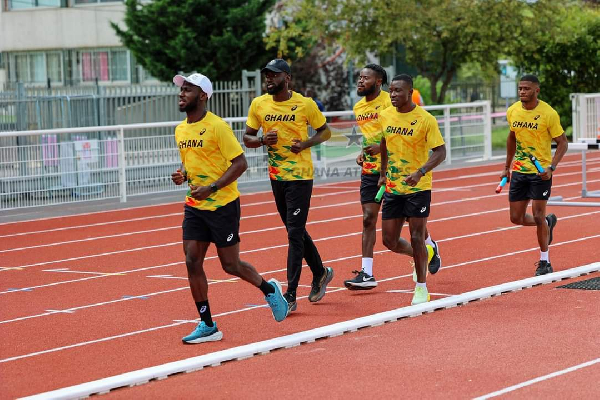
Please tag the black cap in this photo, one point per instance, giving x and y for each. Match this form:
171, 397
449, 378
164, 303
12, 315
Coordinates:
277, 65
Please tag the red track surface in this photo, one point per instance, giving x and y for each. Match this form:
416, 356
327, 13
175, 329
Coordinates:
458, 353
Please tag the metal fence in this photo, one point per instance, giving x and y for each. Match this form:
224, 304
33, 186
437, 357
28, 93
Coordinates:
586, 115
34, 108
58, 166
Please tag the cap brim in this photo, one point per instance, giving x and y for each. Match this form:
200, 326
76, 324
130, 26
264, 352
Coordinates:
272, 69
179, 80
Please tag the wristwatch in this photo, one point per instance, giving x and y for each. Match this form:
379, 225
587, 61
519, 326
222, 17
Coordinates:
423, 171
552, 167
213, 187
261, 140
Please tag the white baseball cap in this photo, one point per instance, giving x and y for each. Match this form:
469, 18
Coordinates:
197, 80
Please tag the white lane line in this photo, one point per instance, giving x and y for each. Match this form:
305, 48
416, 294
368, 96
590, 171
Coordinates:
120, 221
328, 261
590, 159
264, 215
179, 227
309, 336
538, 379
272, 247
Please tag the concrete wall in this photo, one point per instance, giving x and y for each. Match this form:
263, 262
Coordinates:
60, 28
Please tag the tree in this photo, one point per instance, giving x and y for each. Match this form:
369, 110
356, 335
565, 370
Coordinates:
437, 36
568, 62
217, 39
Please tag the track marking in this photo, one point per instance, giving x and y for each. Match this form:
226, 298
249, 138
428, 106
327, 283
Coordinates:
537, 380
574, 163
351, 234
559, 273
263, 347
253, 216
577, 162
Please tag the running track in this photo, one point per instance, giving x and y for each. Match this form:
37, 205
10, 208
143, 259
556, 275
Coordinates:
91, 296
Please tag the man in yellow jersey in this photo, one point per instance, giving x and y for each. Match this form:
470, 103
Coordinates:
409, 133
211, 162
374, 101
284, 116
533, 127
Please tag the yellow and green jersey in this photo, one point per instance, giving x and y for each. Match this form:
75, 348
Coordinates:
408, 138
207, 148
290, 119
367, 118
534, 130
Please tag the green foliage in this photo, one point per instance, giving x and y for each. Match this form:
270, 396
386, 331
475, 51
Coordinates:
217, 39
568, 62
437, 36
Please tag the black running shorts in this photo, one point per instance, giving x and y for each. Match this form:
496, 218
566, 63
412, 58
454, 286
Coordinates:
528, 187
368, 188
220, 227
407, 205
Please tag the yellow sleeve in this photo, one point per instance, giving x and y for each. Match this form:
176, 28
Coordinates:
228, 143
508, 113
554, 125
315, 117
253, 120
434, 135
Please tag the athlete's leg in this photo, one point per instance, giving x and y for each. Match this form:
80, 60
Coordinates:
370, 213
539, 216
390, 232
417, 228
519, 215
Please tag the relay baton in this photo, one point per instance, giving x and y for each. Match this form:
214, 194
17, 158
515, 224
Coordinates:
379, 194
501, 185
537, 164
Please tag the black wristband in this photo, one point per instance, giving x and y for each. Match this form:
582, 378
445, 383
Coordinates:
261, 140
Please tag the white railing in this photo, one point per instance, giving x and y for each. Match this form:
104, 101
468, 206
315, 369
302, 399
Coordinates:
56, 166
586, 115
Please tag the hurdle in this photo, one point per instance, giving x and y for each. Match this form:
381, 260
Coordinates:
583, 145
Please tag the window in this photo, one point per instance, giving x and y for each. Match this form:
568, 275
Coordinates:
104, 65
97, 1
23, 4
36, 67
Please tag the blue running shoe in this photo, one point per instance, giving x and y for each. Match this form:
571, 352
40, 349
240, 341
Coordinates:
278, 304
204, 333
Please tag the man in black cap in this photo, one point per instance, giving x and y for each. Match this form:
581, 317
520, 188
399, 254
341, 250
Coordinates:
283, 116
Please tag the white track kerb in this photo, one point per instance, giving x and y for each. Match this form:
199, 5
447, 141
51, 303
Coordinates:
237, 353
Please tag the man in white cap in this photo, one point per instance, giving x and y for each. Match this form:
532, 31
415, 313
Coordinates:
211, 162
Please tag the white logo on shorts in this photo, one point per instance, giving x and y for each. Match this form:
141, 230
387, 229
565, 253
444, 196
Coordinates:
297, 211
202, 309
545, 193
230, 237
423, 209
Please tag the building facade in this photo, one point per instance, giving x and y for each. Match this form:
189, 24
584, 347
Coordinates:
65, 43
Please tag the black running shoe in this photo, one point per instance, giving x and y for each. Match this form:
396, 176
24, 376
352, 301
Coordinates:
551, 220
291, 300
436, 261
319, 286
362, 281
543, 268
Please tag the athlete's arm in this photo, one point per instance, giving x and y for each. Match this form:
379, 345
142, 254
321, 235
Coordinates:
252, 141
438, 155
323, 134
562, 145
511, 148
235, 170
179, 176
384, 162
